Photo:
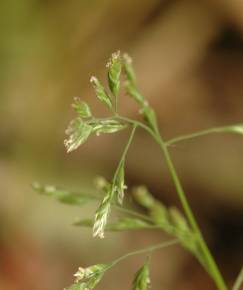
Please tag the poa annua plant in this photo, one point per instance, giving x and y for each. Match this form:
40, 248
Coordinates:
181, 226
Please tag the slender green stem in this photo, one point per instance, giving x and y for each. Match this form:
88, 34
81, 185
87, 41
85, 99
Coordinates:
125, 210
125, 152
198, 134
239, 280
212, 267
136, 123
133, 213
116, 104
149, 249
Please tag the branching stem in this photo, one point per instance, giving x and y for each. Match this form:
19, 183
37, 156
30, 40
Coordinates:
198, 134
123, 157
211, 265
133, 213
212, 268
149, 249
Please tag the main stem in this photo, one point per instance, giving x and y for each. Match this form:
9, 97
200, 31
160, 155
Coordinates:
212, 267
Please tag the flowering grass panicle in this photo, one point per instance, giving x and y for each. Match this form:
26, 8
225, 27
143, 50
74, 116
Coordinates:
182, 226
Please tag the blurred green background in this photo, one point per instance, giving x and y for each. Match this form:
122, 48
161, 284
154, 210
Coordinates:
189, 60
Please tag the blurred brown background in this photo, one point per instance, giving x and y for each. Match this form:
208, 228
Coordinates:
189, 61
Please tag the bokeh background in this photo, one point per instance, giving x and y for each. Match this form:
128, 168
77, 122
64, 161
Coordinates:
189, 61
